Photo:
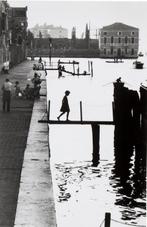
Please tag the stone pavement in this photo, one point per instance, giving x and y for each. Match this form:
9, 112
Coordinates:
36, 206
14, 128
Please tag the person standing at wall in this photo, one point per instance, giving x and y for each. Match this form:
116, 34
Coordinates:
6, 88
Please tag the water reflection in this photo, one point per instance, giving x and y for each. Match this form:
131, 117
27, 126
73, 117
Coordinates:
128, 177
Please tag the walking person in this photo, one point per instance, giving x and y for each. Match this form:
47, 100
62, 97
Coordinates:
65, 106
6, 88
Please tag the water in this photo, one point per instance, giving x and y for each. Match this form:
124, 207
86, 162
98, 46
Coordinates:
84, 193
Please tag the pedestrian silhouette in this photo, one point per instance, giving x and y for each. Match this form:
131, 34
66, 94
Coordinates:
6, 88
65, 106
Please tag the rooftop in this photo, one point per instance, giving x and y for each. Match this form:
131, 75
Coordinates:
118, 25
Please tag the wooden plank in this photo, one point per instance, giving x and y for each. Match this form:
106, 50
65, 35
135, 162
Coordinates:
70, 62
77, 122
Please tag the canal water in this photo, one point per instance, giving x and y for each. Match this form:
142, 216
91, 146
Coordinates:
83, 193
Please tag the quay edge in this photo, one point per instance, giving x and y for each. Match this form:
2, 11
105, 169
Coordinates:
36, 207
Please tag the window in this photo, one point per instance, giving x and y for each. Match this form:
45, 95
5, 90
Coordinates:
105, 33
105, 40
132, 39
126, 51
119, 33
133, 33
132, 52
112, 39
119, 40
126, 39
111, 50
105, 51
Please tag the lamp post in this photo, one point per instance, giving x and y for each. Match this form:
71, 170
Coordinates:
50, 50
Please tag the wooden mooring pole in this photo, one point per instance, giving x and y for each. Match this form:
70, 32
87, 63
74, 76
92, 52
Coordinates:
88, 66
81, 114
48, 112
107, 219
96, 144
73, 68
91, 69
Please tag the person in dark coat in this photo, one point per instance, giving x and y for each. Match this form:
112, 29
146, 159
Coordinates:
65, 106
6, 88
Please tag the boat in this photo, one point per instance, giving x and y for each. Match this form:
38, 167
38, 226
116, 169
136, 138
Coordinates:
115, 61
138, 64
140, 54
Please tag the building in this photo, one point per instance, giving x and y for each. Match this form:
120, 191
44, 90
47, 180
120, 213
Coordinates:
46, 31
18, 34
4, 33
119, 40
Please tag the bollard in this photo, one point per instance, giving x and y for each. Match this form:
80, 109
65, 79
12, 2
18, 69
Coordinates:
107, 219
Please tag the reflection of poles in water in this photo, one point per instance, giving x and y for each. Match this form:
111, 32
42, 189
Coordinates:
131, 174
50, 51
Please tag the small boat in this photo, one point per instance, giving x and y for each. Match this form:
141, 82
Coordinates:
140, 54
115, 61
138, 64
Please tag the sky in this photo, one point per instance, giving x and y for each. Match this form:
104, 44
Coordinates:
96, 13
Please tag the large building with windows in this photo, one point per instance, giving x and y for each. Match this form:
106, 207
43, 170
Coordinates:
4, 33
119, 40
18, 34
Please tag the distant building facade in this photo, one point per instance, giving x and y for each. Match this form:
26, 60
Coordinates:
46, 31
64, 47
119, 40
4, 33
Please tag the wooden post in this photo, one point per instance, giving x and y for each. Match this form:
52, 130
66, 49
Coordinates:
50, 51
88, 66
96, 145
48, 112
73, 68
91, 69
81, 115
107, 219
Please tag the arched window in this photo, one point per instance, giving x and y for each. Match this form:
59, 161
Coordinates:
112, 39
119, 40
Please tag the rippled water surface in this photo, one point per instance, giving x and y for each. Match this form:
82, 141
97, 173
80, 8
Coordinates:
83, 194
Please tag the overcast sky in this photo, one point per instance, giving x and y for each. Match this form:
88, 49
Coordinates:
78, 13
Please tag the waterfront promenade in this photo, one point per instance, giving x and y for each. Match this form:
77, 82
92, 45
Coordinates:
19, 145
